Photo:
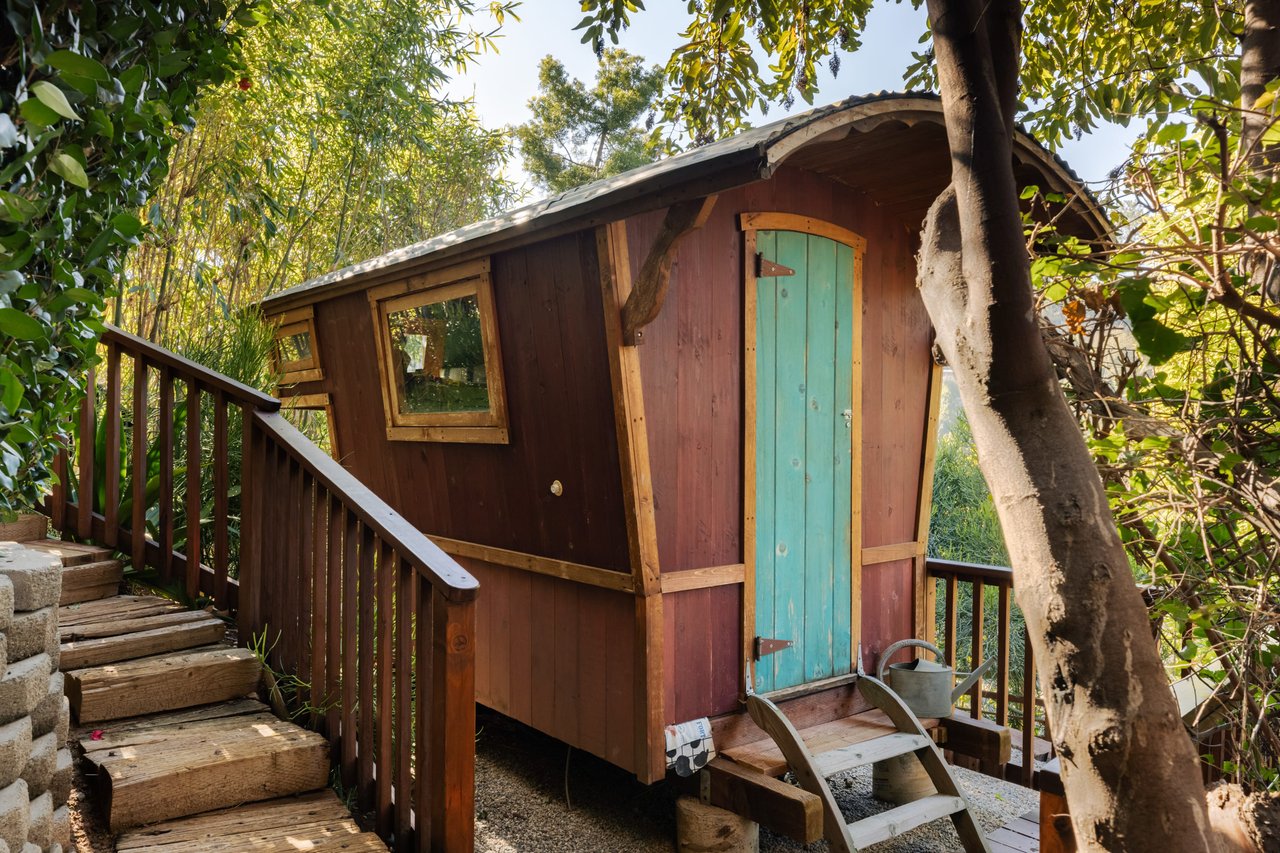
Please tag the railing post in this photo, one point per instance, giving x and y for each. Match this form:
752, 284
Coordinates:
193, 506
976, 648
453, 724
249, 617
84, 450
111, 450
138, 517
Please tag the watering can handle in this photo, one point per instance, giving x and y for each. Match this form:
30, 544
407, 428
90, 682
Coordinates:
902, 644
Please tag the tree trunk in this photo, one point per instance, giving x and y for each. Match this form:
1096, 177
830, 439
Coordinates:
1130, 772
1259, 65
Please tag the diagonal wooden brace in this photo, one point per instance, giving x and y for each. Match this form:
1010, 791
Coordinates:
650, 289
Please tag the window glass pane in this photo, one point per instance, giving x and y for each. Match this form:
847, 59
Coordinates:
295, 347
438, 357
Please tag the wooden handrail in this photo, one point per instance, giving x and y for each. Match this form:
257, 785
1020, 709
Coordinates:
376, 622
994, 575
186, 369
425, 556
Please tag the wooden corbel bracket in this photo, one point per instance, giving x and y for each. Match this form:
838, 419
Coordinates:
650, 288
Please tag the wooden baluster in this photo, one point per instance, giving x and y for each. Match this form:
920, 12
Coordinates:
334, 616
252, 466
369, 546
111, 451
423, 702
58, 499
300, 597
286, 569
406, 602
1028, 711
315, 611
220, 513
85, 443
952, 617
453, 724
194, 462
164, 432
975, 650
387, 565
1002, 656
351, 563
138, 522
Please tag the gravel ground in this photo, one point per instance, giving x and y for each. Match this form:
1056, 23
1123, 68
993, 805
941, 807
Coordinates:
522, 783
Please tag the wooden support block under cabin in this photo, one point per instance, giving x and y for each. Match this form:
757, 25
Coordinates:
79, 654
161, 684
701, 828
980, 739
309, 822
152, 773
781, 808
91, 581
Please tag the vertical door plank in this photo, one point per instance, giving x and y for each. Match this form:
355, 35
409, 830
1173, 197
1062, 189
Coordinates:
843, 484
766, 297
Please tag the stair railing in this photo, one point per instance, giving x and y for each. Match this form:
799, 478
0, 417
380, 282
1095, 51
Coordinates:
977, 646
366, 625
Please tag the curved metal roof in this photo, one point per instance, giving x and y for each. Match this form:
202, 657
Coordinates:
749, 156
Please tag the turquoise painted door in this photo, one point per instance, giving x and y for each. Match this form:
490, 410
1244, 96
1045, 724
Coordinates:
804, 382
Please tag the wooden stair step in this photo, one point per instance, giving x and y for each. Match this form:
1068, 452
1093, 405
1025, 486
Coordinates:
80, 654
115, 608
317, 822
91, 581
765, 756
894, 822
147, 774
116, 627
177, 719
163, 683
868, 752
71, 553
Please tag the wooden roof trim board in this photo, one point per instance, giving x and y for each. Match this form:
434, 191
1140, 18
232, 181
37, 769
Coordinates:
750, 156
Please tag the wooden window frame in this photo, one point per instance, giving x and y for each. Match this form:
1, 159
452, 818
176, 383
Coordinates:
466, 279
291, 323
317, 402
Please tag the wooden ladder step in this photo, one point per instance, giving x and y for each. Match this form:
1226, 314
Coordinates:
159, 684
80, 654
151, 773
91, 581
891, 824
317, 822
868, 752
71, 553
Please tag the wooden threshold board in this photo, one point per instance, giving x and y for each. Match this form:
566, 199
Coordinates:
764, 755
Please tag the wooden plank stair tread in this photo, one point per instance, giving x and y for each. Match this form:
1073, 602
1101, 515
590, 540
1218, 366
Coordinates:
79, 654
765, 756
894, 822
314, 822
177, 719
162, 683
868, 752
174, 769
91, 581
71, 553
117, 607
116, 627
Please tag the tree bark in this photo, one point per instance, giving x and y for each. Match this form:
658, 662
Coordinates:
1130, 772
1259, 65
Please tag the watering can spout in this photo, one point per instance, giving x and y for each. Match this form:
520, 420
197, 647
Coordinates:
971, 679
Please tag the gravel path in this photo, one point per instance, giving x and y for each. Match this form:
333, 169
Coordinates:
521, 786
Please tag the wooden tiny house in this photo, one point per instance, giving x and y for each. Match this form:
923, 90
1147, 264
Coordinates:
678, 423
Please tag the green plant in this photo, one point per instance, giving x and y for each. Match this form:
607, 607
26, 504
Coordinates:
90, 102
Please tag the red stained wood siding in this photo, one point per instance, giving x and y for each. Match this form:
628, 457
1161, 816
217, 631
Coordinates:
691, 363
548, 304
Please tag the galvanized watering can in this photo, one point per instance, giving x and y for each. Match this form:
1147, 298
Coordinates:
926, 686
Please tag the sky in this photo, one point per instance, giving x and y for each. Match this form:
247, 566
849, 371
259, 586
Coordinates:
502, 84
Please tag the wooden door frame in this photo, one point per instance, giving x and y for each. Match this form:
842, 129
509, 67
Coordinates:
750, 224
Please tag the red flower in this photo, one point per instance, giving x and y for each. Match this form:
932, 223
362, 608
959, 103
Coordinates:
245, 84
96, 735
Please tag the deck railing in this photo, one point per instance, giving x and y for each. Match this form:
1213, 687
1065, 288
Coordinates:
967, 583
370, 622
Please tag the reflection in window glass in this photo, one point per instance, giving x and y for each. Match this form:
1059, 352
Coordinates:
295, 347
438, 357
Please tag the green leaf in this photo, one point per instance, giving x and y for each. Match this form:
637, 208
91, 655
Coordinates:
15, 208
51, 96
10, 391
1158, 342
127, 224
22, 326
69, 169
79, 65
37, 114
1261, 223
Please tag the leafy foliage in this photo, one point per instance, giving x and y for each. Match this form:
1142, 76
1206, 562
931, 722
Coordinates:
333, 144
963, 525
91, 96
578, 135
